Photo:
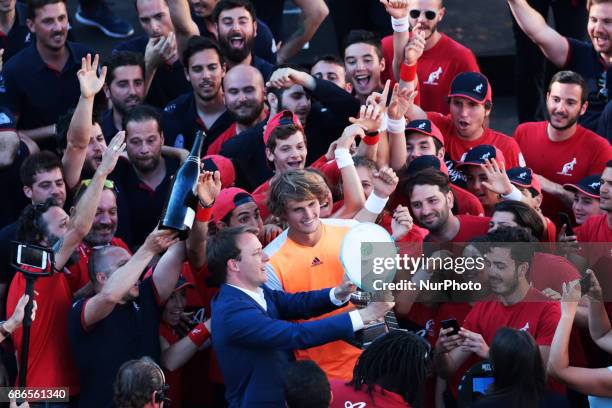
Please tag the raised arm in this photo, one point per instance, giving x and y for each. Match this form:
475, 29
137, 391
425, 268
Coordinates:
398, 10
79, 131
313, 12
168, 270
599, 322
121, 280
85, 211
178, 354
401, 100
184, 25
384, 182
554, 46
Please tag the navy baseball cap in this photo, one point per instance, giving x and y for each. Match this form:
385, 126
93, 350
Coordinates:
524, 177
478, 154
182, 283
425, 127
588, 186
423, 162
471, 85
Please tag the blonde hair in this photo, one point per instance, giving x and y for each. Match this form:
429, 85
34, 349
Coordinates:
296, 185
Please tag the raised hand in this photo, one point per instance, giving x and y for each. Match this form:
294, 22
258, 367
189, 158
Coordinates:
89, 81
379, 99
396, 8
570, 298
401, 100
415, 47
111, 154
349, 135
384, 182
370, 117
209, 187
161, 49
160, 240
402, 222
497, 179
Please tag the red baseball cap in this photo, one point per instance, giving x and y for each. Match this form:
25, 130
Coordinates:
478, 154
227, 200
425, 127
285, 117
214, 162
472, 85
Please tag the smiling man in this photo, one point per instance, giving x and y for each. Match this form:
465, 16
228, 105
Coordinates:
560, 151
364, 63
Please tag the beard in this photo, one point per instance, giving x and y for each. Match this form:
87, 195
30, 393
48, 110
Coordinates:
571, 121
95, 238
251, 114
236, 54
148, 166
122, 107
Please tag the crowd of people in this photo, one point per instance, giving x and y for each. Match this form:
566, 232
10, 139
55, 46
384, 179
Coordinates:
252, 308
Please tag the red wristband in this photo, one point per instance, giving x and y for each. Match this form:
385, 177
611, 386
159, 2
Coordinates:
408, 72
203, 214
371, 140
199, 334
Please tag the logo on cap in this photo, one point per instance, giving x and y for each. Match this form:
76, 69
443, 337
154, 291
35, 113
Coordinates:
478, 88
485, 156
523, 175
422, 125
595, 185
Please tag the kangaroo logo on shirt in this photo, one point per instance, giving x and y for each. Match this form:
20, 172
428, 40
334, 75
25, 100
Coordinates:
478, 88
434, 77
525, 328
568, 167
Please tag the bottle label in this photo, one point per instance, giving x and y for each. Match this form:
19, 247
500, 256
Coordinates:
189, 217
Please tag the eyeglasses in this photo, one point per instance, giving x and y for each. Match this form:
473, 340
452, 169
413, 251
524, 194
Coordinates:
429, 14
110, 184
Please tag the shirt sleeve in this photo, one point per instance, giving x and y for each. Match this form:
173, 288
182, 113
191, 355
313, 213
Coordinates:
549, 319
273, 282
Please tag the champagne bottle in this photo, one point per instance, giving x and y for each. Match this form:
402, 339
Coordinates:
180, 208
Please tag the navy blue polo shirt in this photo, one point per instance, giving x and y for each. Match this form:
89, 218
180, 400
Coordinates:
108, 125
263, 66
130, 331
138, 204
38, 94
583, 59
169, 81
19, 35
181, 122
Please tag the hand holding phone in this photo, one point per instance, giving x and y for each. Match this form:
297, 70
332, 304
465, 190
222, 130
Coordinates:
450, 323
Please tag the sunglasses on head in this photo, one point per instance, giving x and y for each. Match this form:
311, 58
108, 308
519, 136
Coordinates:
429, 14
110, 184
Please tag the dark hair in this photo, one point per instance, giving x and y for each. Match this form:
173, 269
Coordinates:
306, 386
366, 37
283, 132
514, 238
136, 381
397, 362
198, 43
31, 227
517, 367
34, 5
220, 248
609, 163
142, 113
329, 58
232, 4
428, 177
122, 59
524, 215
36, 163
571, 77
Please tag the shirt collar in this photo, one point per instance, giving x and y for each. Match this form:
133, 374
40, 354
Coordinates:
72, 58
257, 296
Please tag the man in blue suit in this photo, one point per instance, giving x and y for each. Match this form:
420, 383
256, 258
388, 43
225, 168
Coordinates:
252, 338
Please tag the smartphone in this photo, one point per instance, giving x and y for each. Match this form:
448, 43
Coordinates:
565, 219
585, 284
450, 323
481, 384
32, 257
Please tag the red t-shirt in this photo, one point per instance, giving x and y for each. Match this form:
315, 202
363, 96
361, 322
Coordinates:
215, 147
550, 271
50, 361
344, 396
467, 203
455, 145
79, 272
569, 161
471, 227
595, 237
173, 378
260, 195
436, 70
550, 235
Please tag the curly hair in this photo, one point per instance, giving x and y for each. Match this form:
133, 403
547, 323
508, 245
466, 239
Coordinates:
296, 185
31, 227
136, 381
